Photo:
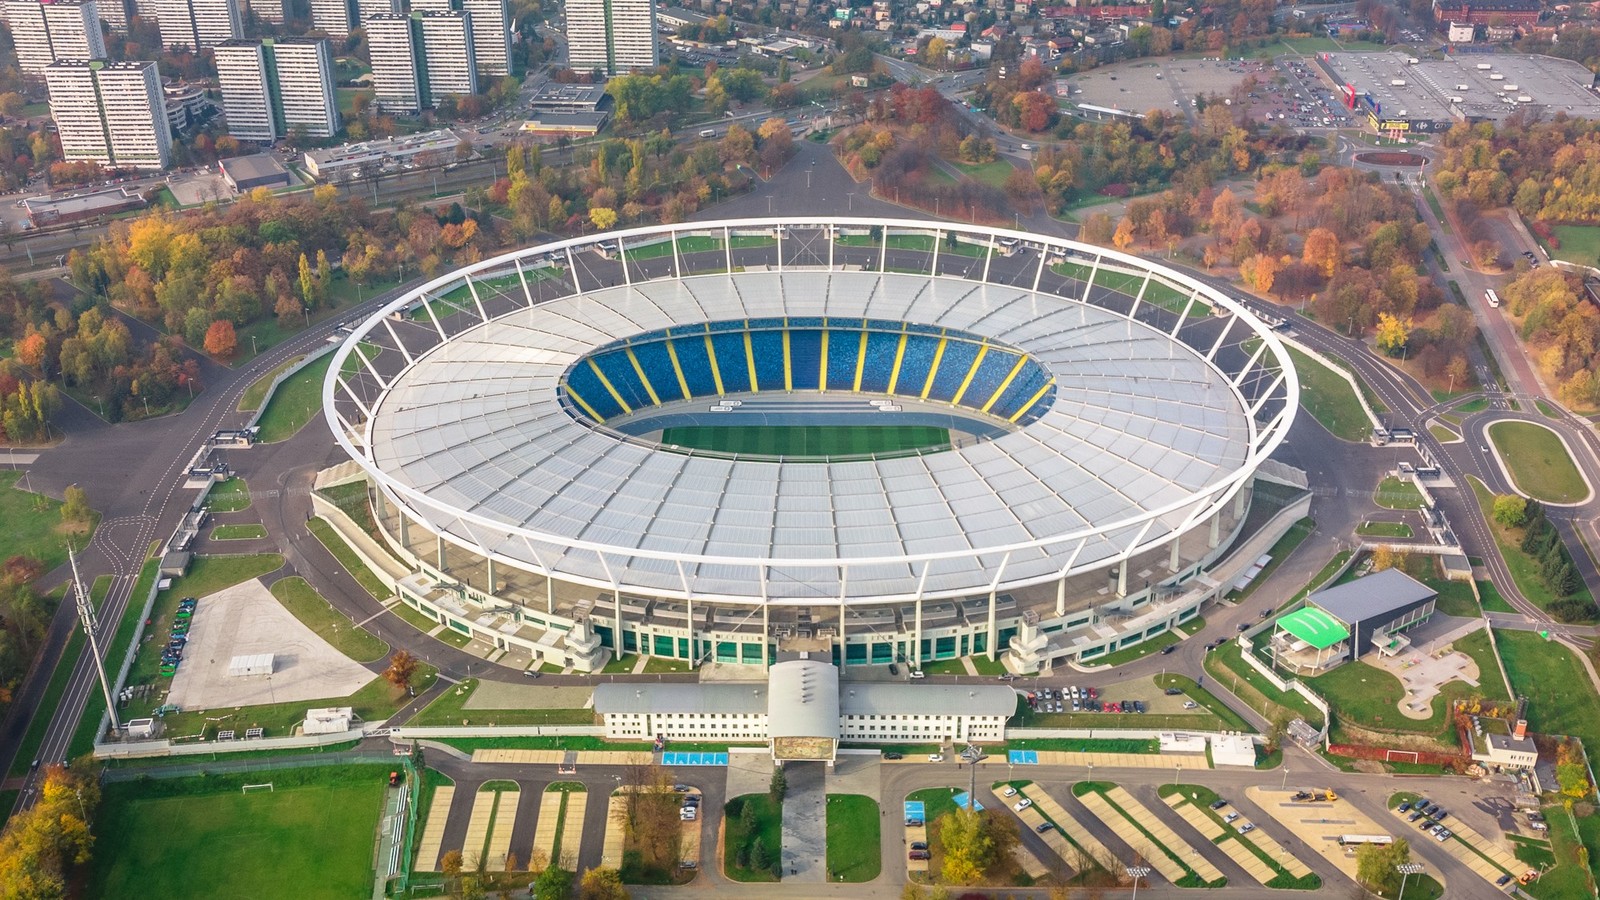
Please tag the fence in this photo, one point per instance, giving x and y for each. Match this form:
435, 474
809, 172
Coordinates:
224, 766
1282, 684
1114, 734
403, 733
136, 749
1342, 372
308, 359
1389, 754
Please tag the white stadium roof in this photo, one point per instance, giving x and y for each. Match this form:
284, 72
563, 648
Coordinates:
1144, 438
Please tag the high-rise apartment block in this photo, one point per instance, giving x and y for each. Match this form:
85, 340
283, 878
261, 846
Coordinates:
273, 87
396, 77
446, 54
614, 36
196, 23
491, 31
47, 30
331, 17
111, 113
420, 58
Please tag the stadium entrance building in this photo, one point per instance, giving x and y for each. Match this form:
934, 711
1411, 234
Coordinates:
909, 441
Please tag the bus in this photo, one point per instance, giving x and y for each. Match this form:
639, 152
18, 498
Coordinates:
1356, 840
1492, 297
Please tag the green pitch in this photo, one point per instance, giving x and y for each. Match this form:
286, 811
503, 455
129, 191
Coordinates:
807, 440
294, 842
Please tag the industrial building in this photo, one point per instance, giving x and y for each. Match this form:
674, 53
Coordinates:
1345, 622
44, 32
613, 36
1400, 94
110, 113
246, 173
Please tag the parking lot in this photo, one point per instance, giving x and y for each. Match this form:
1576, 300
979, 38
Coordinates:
1300, 102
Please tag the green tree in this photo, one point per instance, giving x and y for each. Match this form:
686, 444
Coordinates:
1375, 865
1510, 510
968, 849
778, 786
75, 506
1393, 333
554, 883
602, 884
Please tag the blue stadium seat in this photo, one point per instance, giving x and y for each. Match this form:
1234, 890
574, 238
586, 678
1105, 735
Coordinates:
844, 347
696, 366
881, 348
767, 347
657, 366
916, 362
996, 365
1023, 387
805, 359
958, 357
732, 361
619, 371
584, 383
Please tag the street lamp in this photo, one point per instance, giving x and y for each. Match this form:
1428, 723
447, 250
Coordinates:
1285, 785
1136, 873
1407, 870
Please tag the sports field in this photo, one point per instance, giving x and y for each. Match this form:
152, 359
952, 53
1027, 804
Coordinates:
806, 440
195, 845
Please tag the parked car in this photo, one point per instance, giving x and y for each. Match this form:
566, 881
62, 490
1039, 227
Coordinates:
935, 757
1042, 827
919, 845
1168, 649
1247, 827
1190, 704
917, 673
894, 756
1219, 803
1173, 692
919, 854
1230, 817
1022, 804
1405, 807
1009, 791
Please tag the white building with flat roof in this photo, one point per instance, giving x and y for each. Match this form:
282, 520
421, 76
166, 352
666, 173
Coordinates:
45, 32
246, 90
335, 163
196, 24
110, 113
273, 87
396, 78
332, 17
491, 31
614, 36
446, 54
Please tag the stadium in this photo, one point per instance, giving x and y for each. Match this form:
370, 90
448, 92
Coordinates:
902, 441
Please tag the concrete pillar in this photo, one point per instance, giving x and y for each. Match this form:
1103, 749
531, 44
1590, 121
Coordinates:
549, 594
1241, 500
765, 630
1215, 537
380, 505
616, 597
1174, 561
689, 618
488, 574
1061, 596
844, 653
916, 639
440, 540
1122, 577
992, 632
405, 533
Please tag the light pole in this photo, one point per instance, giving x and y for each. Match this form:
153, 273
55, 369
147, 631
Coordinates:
1136, 873
1177, 774
1407, 870
1285, 785
252, 345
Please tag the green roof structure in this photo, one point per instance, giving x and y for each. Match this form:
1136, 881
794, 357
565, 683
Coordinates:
1315, 627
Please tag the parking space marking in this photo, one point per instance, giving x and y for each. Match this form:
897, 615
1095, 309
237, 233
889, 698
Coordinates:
916, 833
1163, 834
1466, 851
1074, 831
505, 816
1123, 760
524, 757
478, 827
544, 831
1317, 824
1052, 838
1209, 828
691, 840
1280, 854
615, 757
1143, 846
433, 832
616, 832
572, 829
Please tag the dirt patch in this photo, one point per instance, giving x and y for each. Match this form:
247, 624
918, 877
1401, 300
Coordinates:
1392, 158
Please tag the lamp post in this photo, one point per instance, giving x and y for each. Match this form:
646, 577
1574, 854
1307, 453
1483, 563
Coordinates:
1285, 785
1407, 870
1136, 873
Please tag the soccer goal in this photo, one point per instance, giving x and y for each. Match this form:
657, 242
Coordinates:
1401, 756
247, 788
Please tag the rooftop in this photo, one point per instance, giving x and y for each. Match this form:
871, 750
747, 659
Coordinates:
1479, 86
678, 697
1372, 595
804, 699
1315, 627
554, 92
260, 165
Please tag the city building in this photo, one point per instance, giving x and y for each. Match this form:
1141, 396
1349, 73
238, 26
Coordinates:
574, 110
396, 76
46, 211
332, 17
346, 161
1521, 13
187, 105
1400, 94
1345, 622
246, 173
45, 31
196, 24
273, 87
605, 525
1495, 743
445, 55
112, 113
491, 31
803, 711
366, 9
614, 36
268, 10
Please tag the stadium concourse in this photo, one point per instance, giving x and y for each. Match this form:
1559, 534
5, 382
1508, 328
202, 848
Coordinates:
885, 441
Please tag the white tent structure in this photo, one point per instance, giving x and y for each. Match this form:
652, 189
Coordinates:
331, 720
250, 664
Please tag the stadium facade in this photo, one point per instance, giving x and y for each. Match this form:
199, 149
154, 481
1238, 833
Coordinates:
897, 441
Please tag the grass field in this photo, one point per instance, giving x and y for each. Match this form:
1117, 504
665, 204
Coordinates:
1539, 462
1369, 697
807, 440
768, 830
1393, 493
1226, 665
1330, 399
294, 402
1384, 529
451, 709
348, 558
232, 495
243, 531
317, 614
1562, 700
1524, 569
32, 524
994, 174
1282, 550
251, 399
1579, 244
179, 839
853, 838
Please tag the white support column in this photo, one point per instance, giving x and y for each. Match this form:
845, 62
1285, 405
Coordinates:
1184, 316
1139, 298
677, 267
428, 307
1266, 395
765, 630
488, 572
779, 230
1174, 561
694, 656
351, 396
1221, 336
1044, 253
832, 243
994, 590
472, 288
938, 238
883, 248
523, 277
622, 257
368, 363
1239, 378
727, 247
440, 550
1122, 577
988, 258
397, 342
616, 597
1216, 531
1094, 270
572, 266
916, 638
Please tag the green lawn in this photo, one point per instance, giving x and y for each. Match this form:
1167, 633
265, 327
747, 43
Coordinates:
768, 829
1282, 550
665, 665
1207, 700
1137, 651
251, 399
1539, 462
1392, 493
451, 709
806, 440
1442, 434
316, 613
32, 524
348, 558
294, 402
1226, 665
1489, 597
190, 837
1330, 399
232, 495
1569, 878
1561, 698
1473, 406
993, 173
1524, 569
1579, 244
853, 838
1384, 529
936, 802
1545, 409
28, 749
238, 532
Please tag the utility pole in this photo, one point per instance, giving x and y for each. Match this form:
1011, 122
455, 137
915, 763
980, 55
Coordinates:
90, 627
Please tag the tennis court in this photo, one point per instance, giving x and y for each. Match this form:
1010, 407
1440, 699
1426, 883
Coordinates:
806, 440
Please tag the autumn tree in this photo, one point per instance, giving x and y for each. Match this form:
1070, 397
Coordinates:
1510, 510
1376, 864
968, 849
602, 884
603, 218
402, 668
40, 845
1123, 238
75, 511
554, 883
1393, 332
1322, 251
221, 341
1260, 272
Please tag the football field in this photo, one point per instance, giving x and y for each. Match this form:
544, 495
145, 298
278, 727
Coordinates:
807, 440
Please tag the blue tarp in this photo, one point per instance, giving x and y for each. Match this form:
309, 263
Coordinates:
694, 759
